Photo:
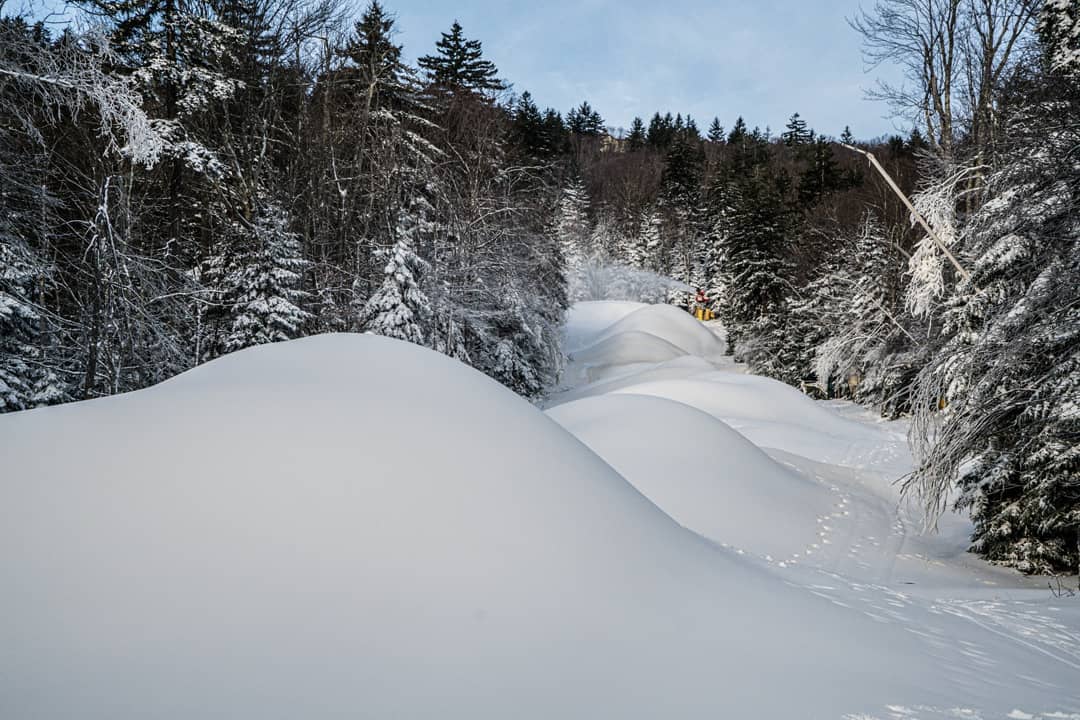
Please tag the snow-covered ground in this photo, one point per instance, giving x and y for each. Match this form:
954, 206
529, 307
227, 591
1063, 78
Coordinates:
808, 490
350, 526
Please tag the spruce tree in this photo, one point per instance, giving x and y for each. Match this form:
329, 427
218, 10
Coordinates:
822, 174
555, 135
796, 132
263, 285
854, 303
571, 226
635, 140
459, 64
584, 120
738, 134
25, 381
754, 263
400, 308
645, 250
528, 128
716, 132
376, 67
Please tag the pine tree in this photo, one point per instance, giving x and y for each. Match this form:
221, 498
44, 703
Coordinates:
528, 128
25, 381
796, 133
583, 120
554, 133
459, 64
661, 131
571, 226
400, 308
855, 307
754, 266
738, 135
822, 174
680, 196
263, 286
635, 140
716, 132
375, 60
645, 250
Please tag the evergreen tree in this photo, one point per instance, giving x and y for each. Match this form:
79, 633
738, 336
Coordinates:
25, 381
263, 285
716, 131
645, 251
1007, 374
1059, 33
459, 64
661, 131
822, 174
754, 266
554, 133
399, 308
857, 314
571, 226
583, 120
636, 139
528, 128
738, 134
796, 133
376, 67
680, 196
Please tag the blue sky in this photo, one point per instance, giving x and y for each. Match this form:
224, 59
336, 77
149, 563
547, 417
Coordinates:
763, 59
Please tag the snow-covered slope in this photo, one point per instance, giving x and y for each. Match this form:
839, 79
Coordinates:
820, 509
701, 472
586, 320
349, 526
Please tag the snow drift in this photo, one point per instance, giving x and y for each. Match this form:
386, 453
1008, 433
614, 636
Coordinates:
586, 320
669, 323
702, 473
355, 526
350, 526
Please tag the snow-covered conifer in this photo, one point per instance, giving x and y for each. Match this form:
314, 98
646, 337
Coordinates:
399, 308
262, 287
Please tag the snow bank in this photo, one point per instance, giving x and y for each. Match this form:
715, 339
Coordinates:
616, 353
586, 320
671, 324
702, 473
353, 526
767, 412
350, 526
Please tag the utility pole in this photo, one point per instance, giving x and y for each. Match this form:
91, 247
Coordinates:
915, 213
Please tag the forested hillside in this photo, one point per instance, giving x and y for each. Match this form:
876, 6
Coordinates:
187, 178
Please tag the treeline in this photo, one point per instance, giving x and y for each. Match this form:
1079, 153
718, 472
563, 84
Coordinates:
195, 177
824, 280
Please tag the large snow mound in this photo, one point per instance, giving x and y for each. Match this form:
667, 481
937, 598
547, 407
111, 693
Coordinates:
349, 526
769, 413
586, 320
705, 475
671, 324
616, 353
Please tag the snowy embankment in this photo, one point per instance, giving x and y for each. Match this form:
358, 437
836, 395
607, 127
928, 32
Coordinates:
349, 526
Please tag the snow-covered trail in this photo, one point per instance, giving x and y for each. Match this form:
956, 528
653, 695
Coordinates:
848, 536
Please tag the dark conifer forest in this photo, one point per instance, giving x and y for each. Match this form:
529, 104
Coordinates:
181, 179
